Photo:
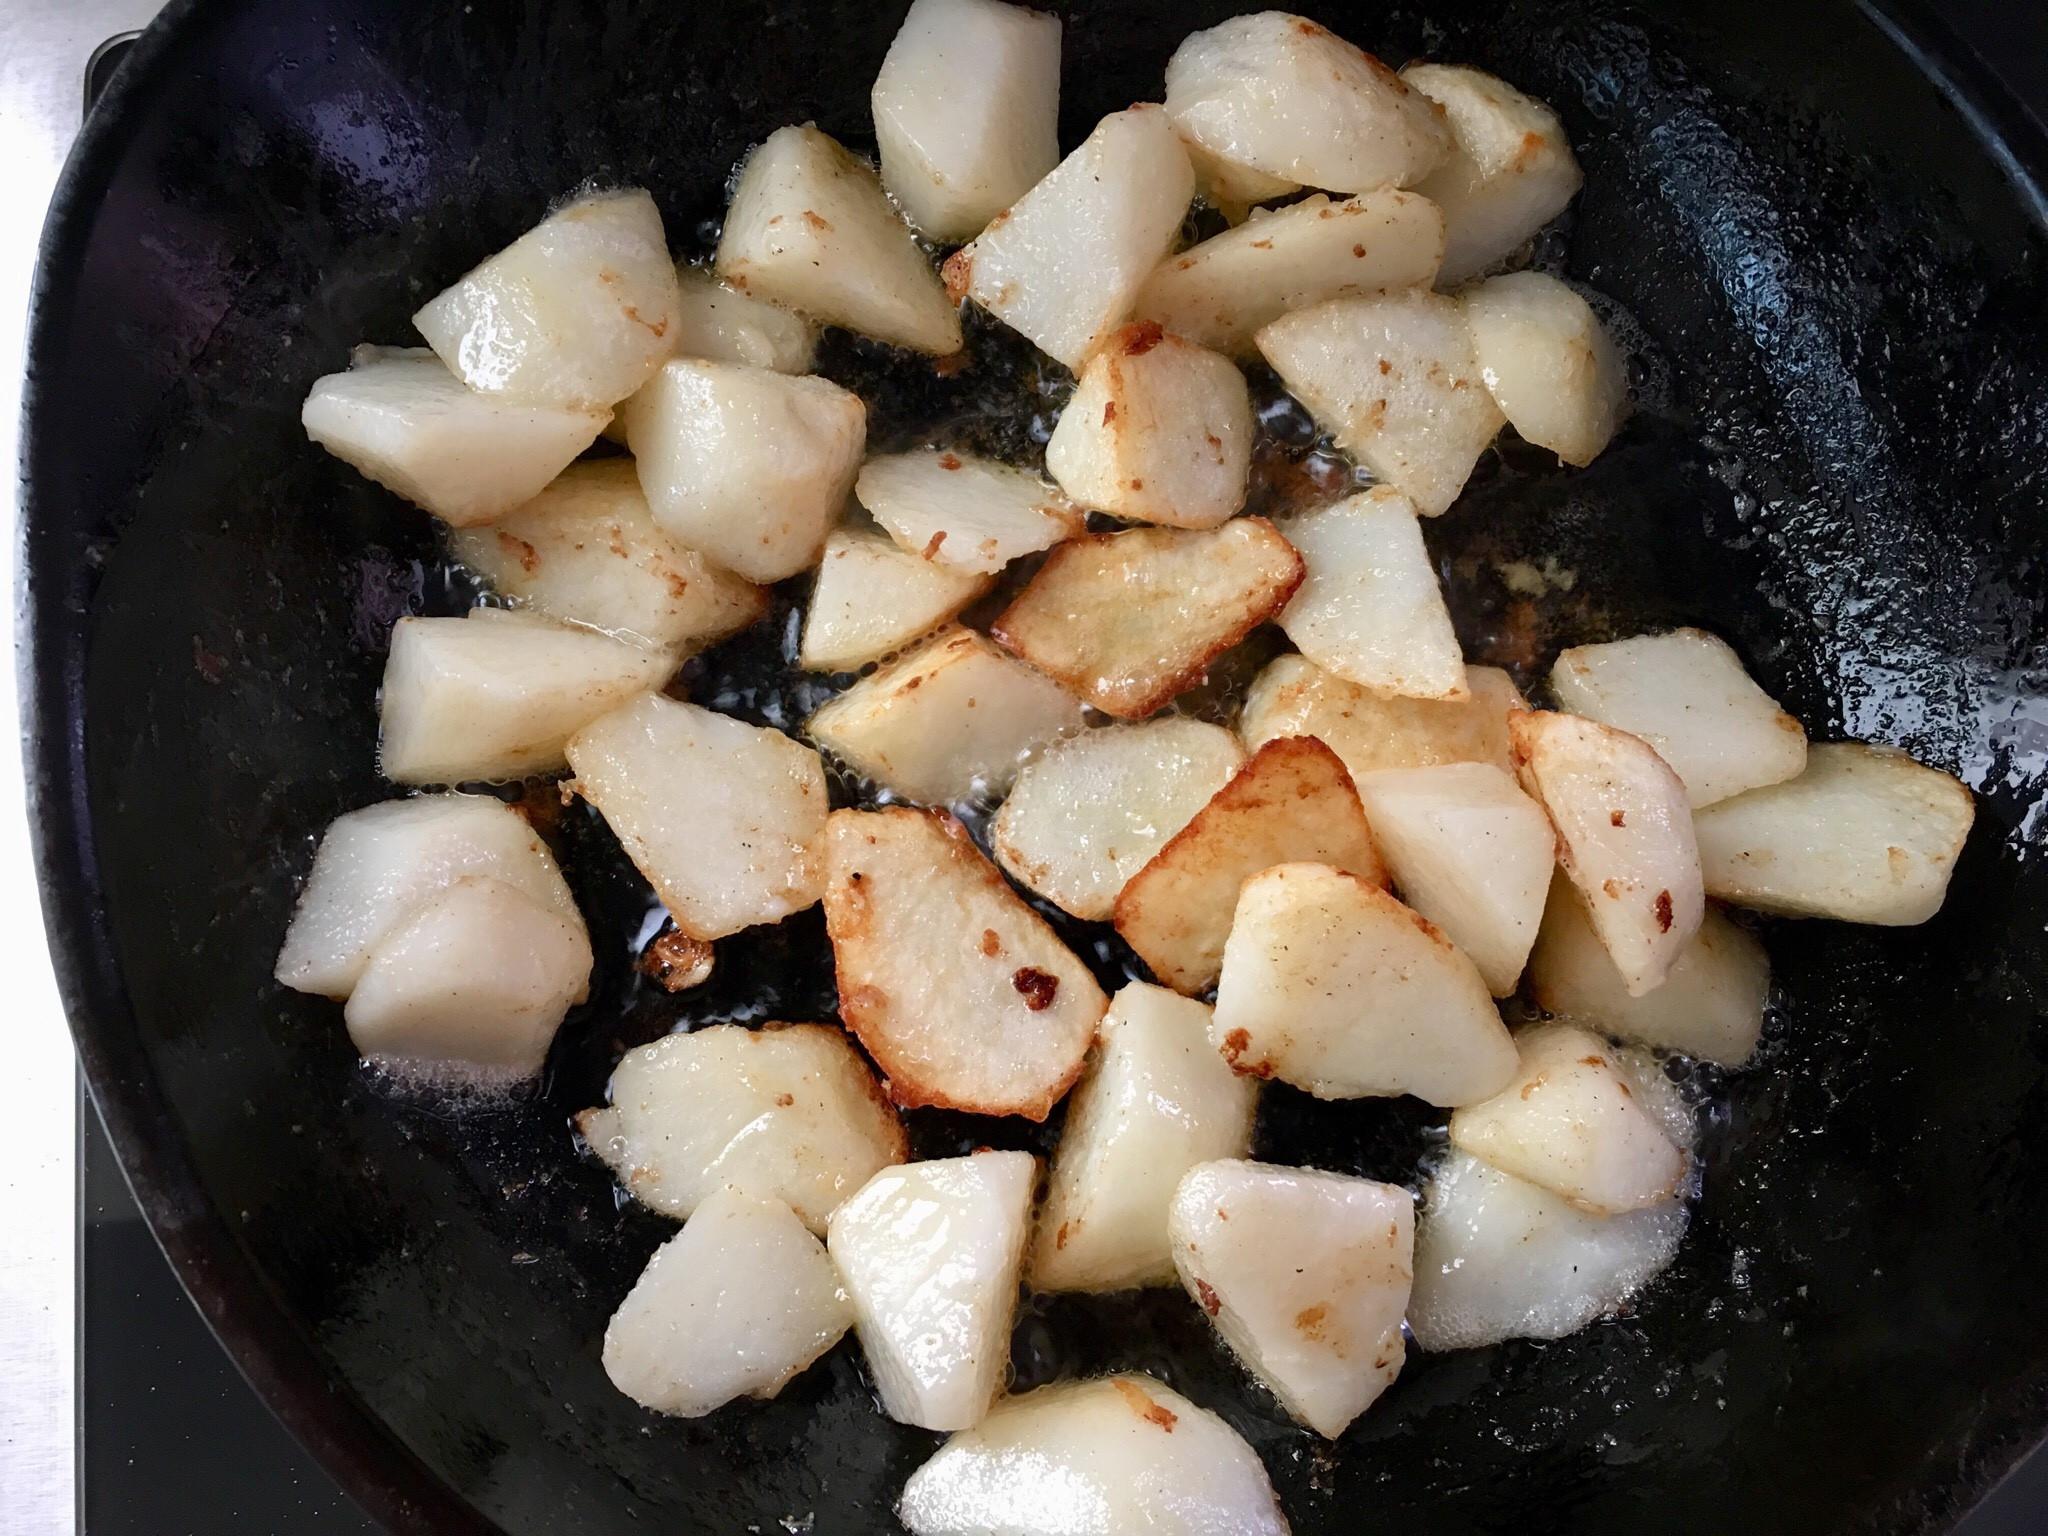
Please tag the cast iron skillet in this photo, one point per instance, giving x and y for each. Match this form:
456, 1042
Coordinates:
1831, 244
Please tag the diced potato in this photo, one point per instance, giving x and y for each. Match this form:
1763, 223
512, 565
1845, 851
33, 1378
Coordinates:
409, 424
967, 111
950, 721
810, 226
1499, 1258
587, 551
785, 1111
930, 1253
962, 512
1089, 814
1624, 836
1332, 985
1232, 189
722, 324
1510, 170
1549, 363
961, 993
747, 465
1686, 694
1370, 609
1157, 431
1394, 380
1865, 834
1470, 852
1370, 731
1291, 802
1219, 292
872, 598
1131, 620
1305, 1274
1155, 1101
1279, 94
723, 818
376, 865
734, 1305
1063, 264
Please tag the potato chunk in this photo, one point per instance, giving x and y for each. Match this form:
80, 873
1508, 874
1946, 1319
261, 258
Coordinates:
722, 324
1155, 1101
1279, 94
1369, 608
1549, 362
1131, 620
1686, 694
1219, 292
810, 226
1624, 836
1305, 1274
872, 598
1510, 170
950, 721
964, 513
1864, 834
785, 1111
1395, 380
1292, 801
723, 818
1332, 985
930, 1253
1064, 262
734, 1305
961, 993
406, 422
1089, 814
747, 465
967, 111
1370, 731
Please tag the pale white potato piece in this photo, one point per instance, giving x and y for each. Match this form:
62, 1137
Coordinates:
587, 551
1064, 262
1394, 380
723, 818
375, 865
1158, 430
1686, 694
809, 226
1864, 834
1470, 852
1624, 836
722, 324
1279, 94
950, 721
1305, 1274
1510, 171
1110, 1457
1219, 292
967, 109
1571, 1121
1548, 361
872, 598
1092, 810
786, 1112
475, 978
402, 419
930, 1253
962, 994
734, 1305
1155, 1101
1292, 801
576, 313
1129, 621
747, 465
1232, 189
1369, 608
1372, 731
1332, 985
961, 512
472, 699
1499, 1258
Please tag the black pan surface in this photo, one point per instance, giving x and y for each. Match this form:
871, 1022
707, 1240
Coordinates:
1823, 241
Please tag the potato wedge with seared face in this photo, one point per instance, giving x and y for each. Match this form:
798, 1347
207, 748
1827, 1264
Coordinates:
1371, 731
964, 513
1131, 620
871, 597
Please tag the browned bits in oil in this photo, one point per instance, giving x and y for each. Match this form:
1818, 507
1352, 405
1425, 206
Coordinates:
948, 461
677, 962
1036, 988
1141, 338
1211, 1303
1663, 911
1358, 250
784, 1100
990, 944
1617, 818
